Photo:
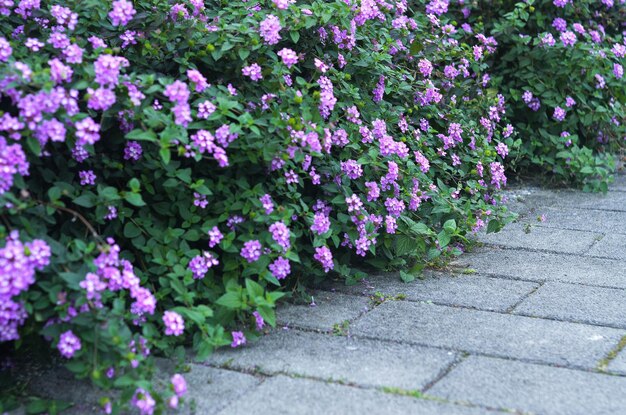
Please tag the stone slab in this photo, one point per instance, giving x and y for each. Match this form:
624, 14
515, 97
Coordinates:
445, 288
618, 365
352, 360
580, 219
543, 266
594, 305
611, 246
214, 389
281, 395
211, 389
619, 185
539, 238
532, 388
497, 334
329, 309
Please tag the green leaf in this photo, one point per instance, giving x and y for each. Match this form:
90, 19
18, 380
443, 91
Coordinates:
131, 231
406, 277
404, 245
134, 185
142, 135
166, 155
494, 226
230, 300
85, 200
450, 226
134, 199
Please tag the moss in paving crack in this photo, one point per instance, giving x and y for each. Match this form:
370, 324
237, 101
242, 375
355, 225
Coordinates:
402, 392
378, 298
468, 271
341, 329
604, 363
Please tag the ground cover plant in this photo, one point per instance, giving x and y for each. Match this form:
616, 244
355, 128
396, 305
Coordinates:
560, 64
171, 170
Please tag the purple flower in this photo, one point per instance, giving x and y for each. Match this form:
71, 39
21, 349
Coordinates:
352, 169
132, 151
288, 56
260, 323
568, 38
253, 71
200, 264
280, 268
87, 177
324, 257
280, 234
111, 213
251, 250
122, 12
68, 344
174, 323
269, 30
215, 236
321, 223
618, 70
425, 67
238, 339
5, 49
179, 385
559, 114
144, 402
268, 205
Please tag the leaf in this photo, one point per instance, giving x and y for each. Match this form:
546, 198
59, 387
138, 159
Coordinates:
134, 199
404, 245
142, 135
85, 200
230, 300
450, 226
406, 277
443, 238
166, 155
131, 231
494, 226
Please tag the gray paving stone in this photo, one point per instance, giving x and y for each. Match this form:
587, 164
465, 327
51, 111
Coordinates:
619, 185
611, 246
535, 388
539, 238
618, 365
580, 219
211, 389
352, 360
214, 389
282, 395
330, 309
463, 290
542, 266
497, 334
595, 305
597, 201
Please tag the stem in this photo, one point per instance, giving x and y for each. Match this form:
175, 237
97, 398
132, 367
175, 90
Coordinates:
77, 215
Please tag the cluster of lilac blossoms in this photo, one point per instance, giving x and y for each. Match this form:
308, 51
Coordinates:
18, 264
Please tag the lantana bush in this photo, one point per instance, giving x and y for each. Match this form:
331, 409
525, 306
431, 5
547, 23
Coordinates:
560, 64
171, 170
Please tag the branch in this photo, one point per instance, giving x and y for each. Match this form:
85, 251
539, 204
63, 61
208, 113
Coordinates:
77, 215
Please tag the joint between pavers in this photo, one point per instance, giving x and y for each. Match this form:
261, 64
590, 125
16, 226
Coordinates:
603, 364
594, 243
524, 297
508, 311
266, 375
446, 370
491, 355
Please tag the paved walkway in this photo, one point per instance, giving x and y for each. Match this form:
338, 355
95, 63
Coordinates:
531, 322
